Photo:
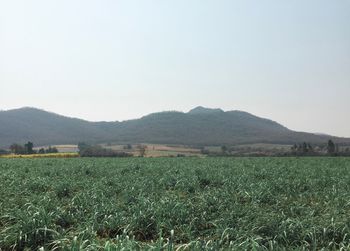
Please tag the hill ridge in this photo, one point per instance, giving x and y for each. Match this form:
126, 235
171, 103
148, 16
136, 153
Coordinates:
199, 126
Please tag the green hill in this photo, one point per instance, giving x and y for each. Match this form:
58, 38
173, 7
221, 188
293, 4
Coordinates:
200, 126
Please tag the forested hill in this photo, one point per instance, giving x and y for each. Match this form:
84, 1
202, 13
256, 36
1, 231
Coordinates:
200, 126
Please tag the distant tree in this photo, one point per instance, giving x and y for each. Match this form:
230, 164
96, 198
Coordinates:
204, 151
128, 147
304, 148
310, 148
142, 150
347, 149
330, 147
51, 150
300, 148
336, 148
17, 149
99, 151
13, 147
41, 151
82, 146
223, 149
29, 148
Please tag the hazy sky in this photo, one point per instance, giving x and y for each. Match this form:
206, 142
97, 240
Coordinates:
116, 60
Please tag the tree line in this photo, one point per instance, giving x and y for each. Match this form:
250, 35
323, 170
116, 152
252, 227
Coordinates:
300, 149
86, 150
331, 149
28, 148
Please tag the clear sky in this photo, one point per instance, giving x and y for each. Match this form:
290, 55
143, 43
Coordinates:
115, 60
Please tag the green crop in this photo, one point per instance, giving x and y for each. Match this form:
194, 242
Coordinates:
175, 204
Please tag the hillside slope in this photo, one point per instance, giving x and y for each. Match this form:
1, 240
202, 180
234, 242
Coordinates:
200, 126
41, 127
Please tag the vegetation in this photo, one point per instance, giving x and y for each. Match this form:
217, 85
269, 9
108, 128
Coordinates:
199, 127
26, 149
261, 150
48, 150
175, 204
128, 147
86, 150
3, 151
224, 150
17, 149
40, 155
331, 147
142, 150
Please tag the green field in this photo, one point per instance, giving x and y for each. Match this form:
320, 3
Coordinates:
175, 204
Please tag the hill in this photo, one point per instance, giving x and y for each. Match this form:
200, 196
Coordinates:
41, 127
200, 126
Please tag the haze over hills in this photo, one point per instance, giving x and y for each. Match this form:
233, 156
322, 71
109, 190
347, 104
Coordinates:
200, 126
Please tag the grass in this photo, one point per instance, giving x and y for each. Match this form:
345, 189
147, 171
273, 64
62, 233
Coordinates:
175, 204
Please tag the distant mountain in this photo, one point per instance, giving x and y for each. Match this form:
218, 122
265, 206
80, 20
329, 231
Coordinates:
200, 126
41, 127
203, 110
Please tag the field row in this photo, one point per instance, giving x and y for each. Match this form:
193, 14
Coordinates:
175, 203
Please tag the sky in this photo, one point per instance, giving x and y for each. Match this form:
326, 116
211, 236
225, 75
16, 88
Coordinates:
116, 60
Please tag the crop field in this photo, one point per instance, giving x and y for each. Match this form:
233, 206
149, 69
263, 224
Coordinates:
175, 204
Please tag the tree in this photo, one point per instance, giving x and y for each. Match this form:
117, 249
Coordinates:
336, 148
99, 151
204, 151
224, 149
330, 147
83, 146
310, 148
51, 150
142, 150
300, 148
304, 147
128, 147
29, 148
17, 149
41, 151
